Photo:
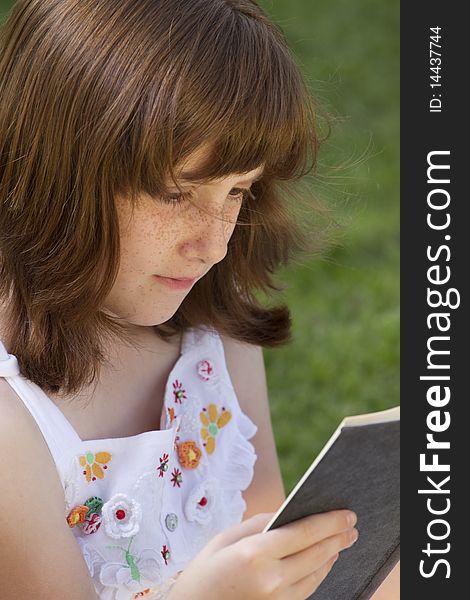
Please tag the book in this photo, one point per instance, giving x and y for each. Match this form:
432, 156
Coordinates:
357, 469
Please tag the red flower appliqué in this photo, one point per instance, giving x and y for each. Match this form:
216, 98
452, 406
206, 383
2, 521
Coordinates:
163, 465
178, 391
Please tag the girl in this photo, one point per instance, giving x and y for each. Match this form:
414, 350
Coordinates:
142, 150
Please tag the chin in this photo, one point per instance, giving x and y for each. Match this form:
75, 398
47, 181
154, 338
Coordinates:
152, 320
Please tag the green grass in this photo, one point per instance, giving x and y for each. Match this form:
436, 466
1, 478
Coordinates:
345, 351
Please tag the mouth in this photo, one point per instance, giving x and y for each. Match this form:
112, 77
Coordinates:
180, 283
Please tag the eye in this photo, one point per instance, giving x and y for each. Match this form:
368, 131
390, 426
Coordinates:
241, 194
180, 197
176, 198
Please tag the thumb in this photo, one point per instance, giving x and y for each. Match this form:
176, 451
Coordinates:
254, 524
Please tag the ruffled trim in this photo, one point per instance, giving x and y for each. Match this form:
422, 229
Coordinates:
237, 470
246, 426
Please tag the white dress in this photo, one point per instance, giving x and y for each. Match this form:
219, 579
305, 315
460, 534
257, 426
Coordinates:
141, 507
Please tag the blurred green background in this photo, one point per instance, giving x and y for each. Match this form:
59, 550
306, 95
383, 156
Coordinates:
345, 307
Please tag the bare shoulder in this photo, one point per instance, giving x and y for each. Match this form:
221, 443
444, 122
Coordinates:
245, 364
39, 557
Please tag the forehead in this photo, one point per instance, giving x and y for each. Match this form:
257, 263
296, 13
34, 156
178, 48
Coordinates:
188, 169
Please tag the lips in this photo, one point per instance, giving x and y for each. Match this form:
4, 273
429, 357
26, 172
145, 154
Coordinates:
179, 283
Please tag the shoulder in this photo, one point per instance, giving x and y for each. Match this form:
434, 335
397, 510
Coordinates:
245, 364
37, 543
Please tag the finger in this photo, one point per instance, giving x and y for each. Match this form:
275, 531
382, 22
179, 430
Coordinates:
309, 584
297, 566
251, 526
301, 534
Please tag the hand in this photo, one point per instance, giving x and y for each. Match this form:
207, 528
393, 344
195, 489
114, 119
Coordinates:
287, 563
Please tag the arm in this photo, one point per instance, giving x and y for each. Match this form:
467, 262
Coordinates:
390, 588
245, 364
39, 557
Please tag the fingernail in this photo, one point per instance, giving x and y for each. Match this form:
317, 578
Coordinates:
354, 535
352, 519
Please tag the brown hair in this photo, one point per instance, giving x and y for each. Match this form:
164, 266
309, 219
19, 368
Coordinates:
100, 99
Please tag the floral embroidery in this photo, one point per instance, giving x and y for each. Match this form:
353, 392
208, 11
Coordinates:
178, 391
202, 502
212, 424
165, 553
122, 516
171, 413
205, 370
163, 465
144, 569
90, 462
176, 477
87, 515
189, 454
92, 524
77, 515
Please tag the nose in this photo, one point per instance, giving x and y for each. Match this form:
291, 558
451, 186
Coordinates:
211, 234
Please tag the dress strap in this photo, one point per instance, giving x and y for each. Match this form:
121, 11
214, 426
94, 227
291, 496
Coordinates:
8, 363
55, 427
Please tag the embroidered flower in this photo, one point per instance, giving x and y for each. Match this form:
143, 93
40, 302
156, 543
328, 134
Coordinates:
202, 502
166, 554
121, 516
176, 477
171, 414
212, 423
92, 524
90, 462
77, 515
163, 465
178, 391
189, 454
205, 370
87, 515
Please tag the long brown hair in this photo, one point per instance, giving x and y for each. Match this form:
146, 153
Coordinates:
99, 99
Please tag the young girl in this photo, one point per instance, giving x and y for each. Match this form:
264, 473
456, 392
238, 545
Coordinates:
143, 145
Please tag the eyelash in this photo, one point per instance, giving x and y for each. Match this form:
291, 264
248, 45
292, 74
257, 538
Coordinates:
176, 199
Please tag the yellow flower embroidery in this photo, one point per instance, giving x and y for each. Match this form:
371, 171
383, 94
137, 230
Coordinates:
212, 423
90, 462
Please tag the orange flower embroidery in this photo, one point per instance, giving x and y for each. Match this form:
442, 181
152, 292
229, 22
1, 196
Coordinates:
171, 412
77, 515
189, 454
90, 462
212, 423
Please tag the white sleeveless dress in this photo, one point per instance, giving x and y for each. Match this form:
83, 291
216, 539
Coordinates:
141, 507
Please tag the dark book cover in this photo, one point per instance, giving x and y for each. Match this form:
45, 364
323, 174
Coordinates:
359, 471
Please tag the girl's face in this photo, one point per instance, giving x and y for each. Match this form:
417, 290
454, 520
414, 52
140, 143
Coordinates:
179, 240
